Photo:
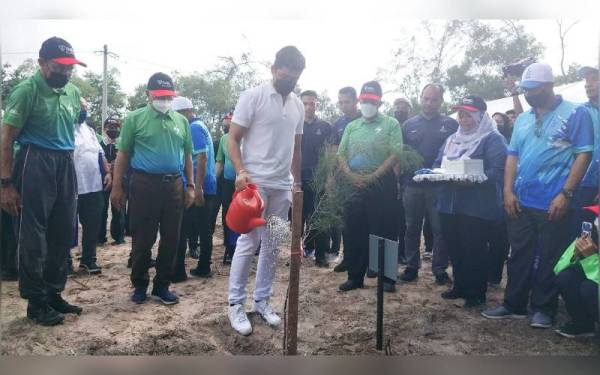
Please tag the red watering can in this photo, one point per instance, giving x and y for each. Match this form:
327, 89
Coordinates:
245, 210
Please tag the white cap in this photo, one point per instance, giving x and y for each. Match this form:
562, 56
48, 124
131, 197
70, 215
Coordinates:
535, 75
181, 102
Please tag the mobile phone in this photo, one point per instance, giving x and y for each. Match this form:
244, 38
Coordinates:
586, 229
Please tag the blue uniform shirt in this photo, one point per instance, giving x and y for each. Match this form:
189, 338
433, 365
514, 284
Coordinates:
591, 177
202, 142
546, 155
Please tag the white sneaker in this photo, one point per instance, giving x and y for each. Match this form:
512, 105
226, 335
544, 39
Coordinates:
267, 313
239, 320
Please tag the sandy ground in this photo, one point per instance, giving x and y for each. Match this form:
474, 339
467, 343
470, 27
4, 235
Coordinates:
417, 321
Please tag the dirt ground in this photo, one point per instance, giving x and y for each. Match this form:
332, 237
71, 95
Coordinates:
417, 321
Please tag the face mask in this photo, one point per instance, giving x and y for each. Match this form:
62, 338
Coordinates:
113, 133
368, 110
536, 100
226, 130
401, 116
284, 85
82, 116
57, 80
162, 105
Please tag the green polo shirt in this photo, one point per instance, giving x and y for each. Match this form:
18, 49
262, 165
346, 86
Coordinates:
366, 145
157, 142
46, 116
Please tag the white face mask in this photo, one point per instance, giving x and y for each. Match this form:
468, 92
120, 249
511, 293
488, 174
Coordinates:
162, 105
368, 110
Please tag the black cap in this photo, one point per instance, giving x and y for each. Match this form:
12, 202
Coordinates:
112, 120
471, 103
161, 84
371, 91
60, 51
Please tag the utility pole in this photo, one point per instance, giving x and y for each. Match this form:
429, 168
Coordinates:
105, 86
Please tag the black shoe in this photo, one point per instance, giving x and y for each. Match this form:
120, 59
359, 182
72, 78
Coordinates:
402, 260
572, 330
371, 274
340, 267
409, 275
474, 302
62, 306
321, 263
452, 294
102, 241
443, 279
118, 242
179, 278
194, 253
91, 268
152, 263
43, 314
389, 287
350, 285
129, 262
9, 276
203, 273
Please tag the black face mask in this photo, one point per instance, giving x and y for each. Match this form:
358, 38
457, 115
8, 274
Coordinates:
284, 85
401, 116
536, 100
226, 130
113, 133
57, 80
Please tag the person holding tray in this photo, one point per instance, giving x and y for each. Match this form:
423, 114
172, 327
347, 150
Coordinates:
468, 210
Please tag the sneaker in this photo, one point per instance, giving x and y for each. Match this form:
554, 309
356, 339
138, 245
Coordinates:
139, 295
43, 314
409, 275
331, 257
239, 320
389, 287
340, 267
321, 263
350, 285
62, 306
540, 320
427, 255
501, 312
199, 272
194, 253
91, 268
371, 274
163, 295
572, 330
443, 279
452, 294
309, 253
474, 302
264, 309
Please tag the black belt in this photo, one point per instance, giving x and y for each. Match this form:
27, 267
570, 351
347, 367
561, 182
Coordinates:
166, 177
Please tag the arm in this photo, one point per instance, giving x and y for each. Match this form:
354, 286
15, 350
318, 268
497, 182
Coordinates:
10, 200
296, 162
510, 85
560, 204
108, 175
117, 196
200, 175
218, 169
511, 203
190, 194
236, 133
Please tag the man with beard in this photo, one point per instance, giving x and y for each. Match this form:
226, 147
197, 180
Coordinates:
41, 113
549, 153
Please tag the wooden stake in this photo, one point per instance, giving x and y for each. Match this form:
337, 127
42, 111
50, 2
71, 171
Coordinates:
291, 344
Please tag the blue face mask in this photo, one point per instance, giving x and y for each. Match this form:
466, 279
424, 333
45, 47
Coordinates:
82, 116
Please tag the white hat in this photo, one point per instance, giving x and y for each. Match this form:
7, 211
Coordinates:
535, 75
181, 102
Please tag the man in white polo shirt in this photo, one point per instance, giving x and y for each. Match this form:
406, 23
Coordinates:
264, 146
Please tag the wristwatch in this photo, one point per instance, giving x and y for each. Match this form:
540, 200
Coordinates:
6, 182
567, 193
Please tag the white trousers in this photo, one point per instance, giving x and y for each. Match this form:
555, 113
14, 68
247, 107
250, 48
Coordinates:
277, 202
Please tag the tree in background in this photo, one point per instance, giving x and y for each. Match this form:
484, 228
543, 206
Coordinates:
10, 77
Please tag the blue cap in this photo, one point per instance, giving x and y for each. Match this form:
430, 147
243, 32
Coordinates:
529, 85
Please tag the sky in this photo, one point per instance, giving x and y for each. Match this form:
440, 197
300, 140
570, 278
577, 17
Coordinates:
345, 43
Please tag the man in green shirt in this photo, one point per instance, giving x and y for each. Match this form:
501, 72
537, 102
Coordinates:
41, 189
156, 144
368, 151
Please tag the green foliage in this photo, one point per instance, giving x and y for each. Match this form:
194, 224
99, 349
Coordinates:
10, 77
326, 109
570, 77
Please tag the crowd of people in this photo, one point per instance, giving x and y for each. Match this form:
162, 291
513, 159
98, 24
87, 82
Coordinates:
161, 173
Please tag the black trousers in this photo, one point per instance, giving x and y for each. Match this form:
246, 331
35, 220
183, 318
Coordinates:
89, 209
229, 236
155, 205
369, 213
536, 245
117, 222
580, 296
8, 246
47, 185
466, 239
314, 240
498, 247
401, 227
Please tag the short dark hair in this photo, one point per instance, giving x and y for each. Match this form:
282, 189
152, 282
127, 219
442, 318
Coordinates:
348, 91
504, 117
309, 93
291, 58
511, 112
438, 86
